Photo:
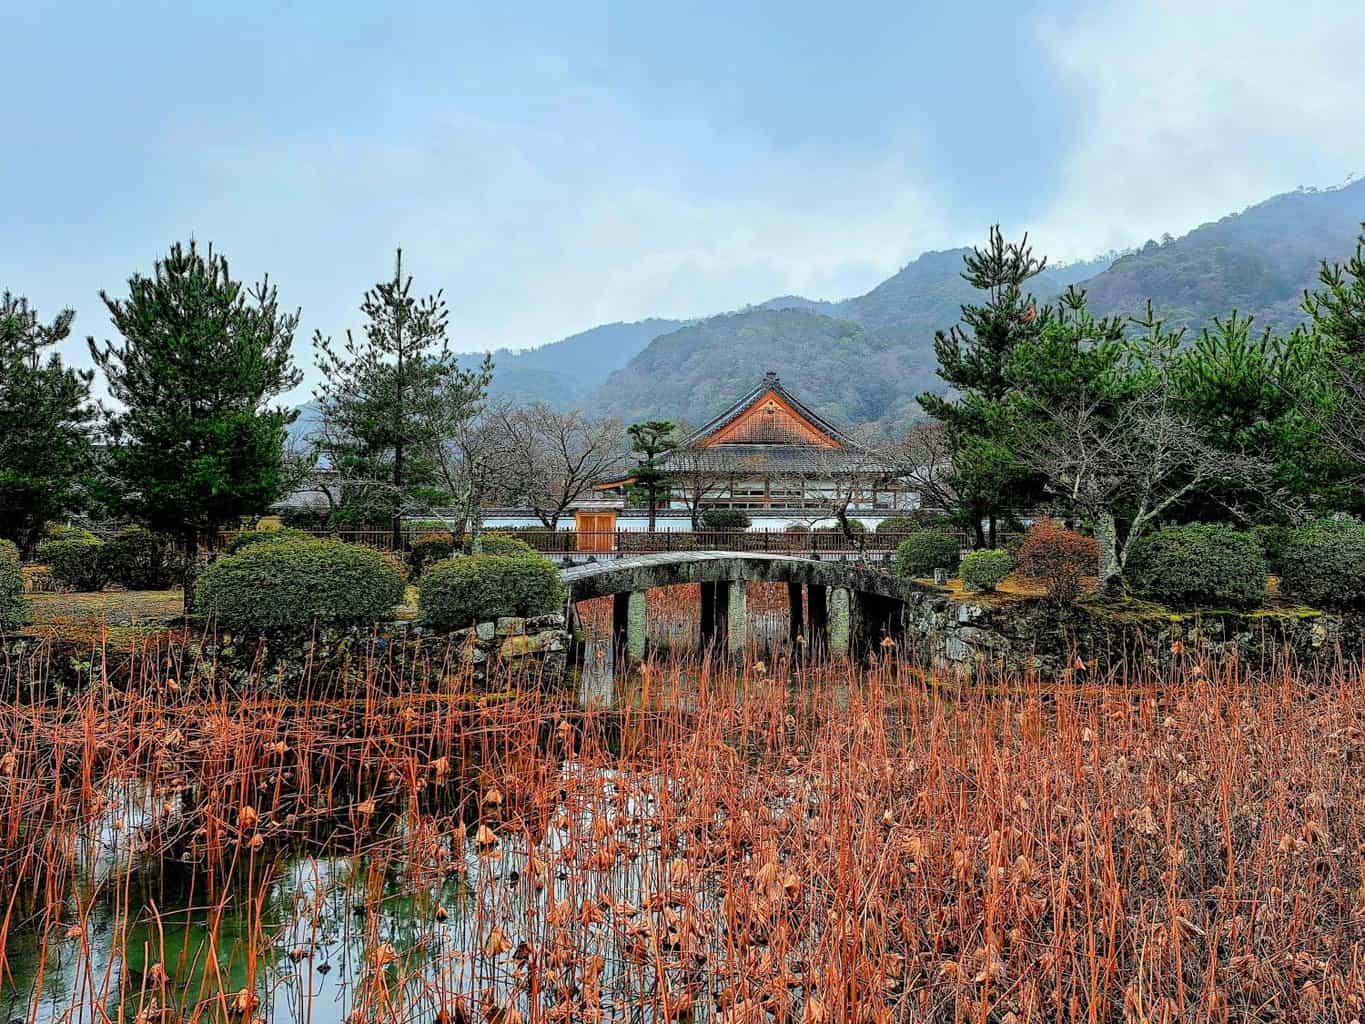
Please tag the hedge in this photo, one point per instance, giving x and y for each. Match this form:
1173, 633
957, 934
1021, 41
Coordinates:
1201, 564
1323, 564
138, 559
248, 538
9, 551
429, 548
293, 584
76, 561
1058, 558
479, 588
899, 524
985, 570
921, 554
13, 604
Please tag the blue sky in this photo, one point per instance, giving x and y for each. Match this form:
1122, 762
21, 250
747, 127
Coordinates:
554, 166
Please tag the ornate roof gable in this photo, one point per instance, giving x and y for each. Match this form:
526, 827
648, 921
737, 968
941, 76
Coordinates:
769, 414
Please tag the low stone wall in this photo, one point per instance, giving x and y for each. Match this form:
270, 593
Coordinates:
534, 650
1036, 636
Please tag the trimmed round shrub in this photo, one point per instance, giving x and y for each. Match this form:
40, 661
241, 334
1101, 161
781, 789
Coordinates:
1058, 558
986, 569
75, 561
1201, 564
9, 551
921, 554
479, 588
505, 545
13, 604
725, 519
427, 549
293, 584
249, 538
138, 559
1323, 564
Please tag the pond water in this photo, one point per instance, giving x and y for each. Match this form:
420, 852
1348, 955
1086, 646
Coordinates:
431, 925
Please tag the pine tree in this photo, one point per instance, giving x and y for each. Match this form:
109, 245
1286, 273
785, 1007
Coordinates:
45, 423
195, 443
382, 397
971, 360
650, 441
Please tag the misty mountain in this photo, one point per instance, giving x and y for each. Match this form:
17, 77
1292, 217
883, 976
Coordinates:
862, 361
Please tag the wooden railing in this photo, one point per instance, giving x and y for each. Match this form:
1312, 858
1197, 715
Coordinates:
615, 543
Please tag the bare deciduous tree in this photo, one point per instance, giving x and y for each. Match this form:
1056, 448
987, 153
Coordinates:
564, 454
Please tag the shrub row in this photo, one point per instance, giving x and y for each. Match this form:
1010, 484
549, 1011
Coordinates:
1323, 564
1198, 565
134, 557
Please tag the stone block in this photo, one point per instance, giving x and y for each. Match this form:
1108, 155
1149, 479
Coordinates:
521, 645
485, 630
510, 625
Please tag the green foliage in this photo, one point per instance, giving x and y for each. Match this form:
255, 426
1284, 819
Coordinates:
973, 358
65, 531
388, 400
725, 519
75, 562
427, 549
855, 527
293, 584
650, 441
250, 538
1323, 564
504, 544
45, 423
195, 444
1273, 538
9, 551
13, 604
479, 588
985, 569
1198, 565
921, 554
138, 559
899, 524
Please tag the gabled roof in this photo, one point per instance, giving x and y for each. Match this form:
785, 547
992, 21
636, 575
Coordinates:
767, 415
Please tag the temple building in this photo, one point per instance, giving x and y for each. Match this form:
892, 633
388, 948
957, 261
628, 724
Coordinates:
772, 456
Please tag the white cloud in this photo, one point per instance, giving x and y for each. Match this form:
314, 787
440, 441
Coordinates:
1189, 109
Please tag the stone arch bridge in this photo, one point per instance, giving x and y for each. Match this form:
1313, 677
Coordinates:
850, 606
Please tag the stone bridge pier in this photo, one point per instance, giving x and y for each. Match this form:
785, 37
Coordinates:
835, 608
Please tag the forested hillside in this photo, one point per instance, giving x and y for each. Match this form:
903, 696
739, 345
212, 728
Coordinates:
863, 360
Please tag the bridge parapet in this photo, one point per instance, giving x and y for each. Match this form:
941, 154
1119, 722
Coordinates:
847, 602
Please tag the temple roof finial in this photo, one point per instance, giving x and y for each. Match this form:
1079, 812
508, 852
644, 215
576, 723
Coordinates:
771, 377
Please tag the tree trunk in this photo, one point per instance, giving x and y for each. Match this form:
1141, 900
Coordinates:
991, 539
653, 507
190, 573
1107, 533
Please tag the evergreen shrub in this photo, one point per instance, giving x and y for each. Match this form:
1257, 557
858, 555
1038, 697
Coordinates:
1198, 565
13, 604
479, 588
922, 553
1323, 564
292, 584
138, 559
986, 569
76, 561
427, 549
